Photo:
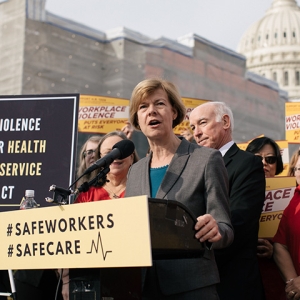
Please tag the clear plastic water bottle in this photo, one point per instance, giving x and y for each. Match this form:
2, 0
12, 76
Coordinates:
28, 201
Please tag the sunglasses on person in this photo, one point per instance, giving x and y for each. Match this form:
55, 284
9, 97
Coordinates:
269, 159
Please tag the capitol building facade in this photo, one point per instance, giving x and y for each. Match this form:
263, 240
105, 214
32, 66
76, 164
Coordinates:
272, 46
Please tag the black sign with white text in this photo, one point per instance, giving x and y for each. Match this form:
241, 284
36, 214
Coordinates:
38, 136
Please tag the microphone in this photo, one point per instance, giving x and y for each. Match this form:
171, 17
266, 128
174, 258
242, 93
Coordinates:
56, 201
83, 188
120, 150
59, 195
60, 190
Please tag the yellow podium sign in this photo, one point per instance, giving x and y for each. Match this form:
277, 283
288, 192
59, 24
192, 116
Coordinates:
111, 233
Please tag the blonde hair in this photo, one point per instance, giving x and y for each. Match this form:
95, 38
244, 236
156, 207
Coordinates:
81, 161
145, 89
293, 162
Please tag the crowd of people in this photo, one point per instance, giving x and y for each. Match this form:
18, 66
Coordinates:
221, 184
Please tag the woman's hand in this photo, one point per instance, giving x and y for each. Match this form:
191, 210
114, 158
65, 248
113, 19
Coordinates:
65, 284
65, 291
264, 248
292, 288
207, 229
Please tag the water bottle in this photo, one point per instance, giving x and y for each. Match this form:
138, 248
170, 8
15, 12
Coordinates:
28, 201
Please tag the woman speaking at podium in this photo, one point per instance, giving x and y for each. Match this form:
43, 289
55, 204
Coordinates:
176, 169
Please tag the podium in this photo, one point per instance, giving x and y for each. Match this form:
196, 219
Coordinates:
172, 236
106, 244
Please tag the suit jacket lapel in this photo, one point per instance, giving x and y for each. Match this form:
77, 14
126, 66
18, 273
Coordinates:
146, 182
175, 169
231, 152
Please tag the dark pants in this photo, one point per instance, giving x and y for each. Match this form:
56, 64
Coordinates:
152, 290
4, 283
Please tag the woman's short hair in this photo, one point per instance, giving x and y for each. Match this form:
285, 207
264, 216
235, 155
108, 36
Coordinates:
257, 144
293, 162
145, 89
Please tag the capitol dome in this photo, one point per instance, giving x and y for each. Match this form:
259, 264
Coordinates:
272, 46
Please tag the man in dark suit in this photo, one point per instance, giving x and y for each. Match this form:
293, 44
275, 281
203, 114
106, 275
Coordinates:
212, 125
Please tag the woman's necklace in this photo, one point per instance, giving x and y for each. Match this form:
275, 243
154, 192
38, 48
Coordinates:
114, 195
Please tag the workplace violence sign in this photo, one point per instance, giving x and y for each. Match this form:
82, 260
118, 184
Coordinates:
292, 122
38, 135
99, 114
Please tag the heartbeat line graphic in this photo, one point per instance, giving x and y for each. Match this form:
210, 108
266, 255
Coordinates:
96, 246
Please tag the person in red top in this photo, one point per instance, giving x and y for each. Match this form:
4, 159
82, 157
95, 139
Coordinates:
97, 194
287, 239
113, 186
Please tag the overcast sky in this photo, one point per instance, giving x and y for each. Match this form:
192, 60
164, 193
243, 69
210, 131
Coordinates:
220, 21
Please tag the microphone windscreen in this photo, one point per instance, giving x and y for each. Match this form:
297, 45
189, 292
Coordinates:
126, 148
84, 187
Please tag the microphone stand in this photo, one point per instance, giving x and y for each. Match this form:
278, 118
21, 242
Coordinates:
60, 195
86, 185
13, 294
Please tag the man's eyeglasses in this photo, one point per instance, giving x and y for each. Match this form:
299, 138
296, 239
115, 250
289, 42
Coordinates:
296, 169
269, 159
88, 153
